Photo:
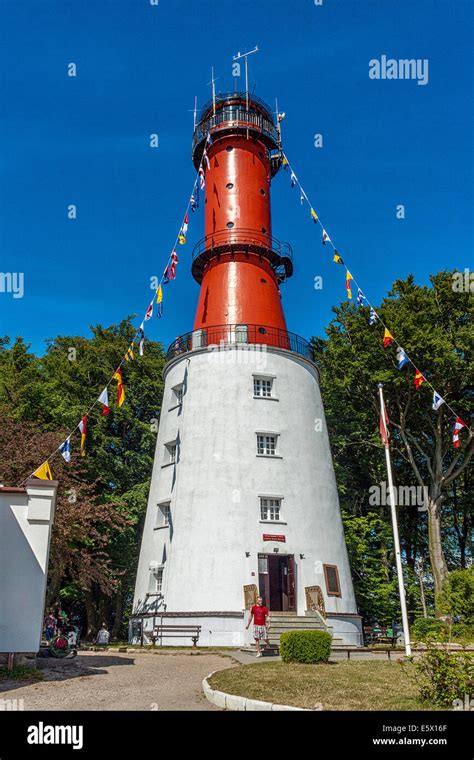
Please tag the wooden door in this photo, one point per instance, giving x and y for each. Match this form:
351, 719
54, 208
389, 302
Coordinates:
291, 584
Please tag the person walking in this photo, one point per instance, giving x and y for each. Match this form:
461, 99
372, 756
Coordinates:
259, 614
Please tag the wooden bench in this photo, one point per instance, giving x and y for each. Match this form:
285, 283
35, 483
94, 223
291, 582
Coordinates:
176, 631
379, 635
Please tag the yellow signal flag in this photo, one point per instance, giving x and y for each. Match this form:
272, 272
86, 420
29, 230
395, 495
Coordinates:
159, 295
120, 388
43, 472
314, 215
348, 284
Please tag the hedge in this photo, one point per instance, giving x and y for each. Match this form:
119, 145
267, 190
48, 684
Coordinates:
305, 646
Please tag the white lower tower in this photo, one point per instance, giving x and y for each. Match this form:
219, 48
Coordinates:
222, 516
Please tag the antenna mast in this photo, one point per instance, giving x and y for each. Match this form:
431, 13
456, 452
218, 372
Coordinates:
245, 56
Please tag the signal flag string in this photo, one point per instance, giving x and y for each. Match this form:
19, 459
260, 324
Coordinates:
43, 472
420, 378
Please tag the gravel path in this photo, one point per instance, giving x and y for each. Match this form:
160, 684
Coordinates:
109, 681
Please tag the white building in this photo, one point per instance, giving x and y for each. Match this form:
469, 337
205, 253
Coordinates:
243, 498
26, 519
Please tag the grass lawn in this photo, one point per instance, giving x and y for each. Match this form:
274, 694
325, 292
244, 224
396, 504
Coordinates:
339, 686
20, 673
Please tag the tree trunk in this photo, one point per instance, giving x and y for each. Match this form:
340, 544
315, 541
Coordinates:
118, 613
437, 558
92, 614
52, 590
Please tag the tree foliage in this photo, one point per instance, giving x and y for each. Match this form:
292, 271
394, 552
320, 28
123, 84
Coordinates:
101, 497
434, 326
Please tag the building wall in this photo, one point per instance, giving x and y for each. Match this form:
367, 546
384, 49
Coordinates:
215, 485
26, 518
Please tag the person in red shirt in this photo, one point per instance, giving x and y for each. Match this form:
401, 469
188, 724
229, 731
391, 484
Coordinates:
261, 623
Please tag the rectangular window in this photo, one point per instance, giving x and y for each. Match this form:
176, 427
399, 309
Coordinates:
266, 444
170, 452
270, 509
331, 576
177, 397
163, 516
155, 585
262, 387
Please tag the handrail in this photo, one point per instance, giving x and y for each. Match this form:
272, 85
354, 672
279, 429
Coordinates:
234, 117
234, 97
239, 335
244, 237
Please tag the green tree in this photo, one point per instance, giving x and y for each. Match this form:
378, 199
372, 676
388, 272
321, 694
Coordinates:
434, 325
102, 497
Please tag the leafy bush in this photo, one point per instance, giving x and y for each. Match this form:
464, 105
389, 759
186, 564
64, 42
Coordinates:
434, 629
443, 676
305, 646
463, 632
457, 596
429, 629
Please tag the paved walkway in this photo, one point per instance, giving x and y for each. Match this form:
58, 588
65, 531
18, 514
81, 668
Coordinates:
109, 681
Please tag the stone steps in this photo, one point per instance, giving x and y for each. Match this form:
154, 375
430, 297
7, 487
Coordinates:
280, 622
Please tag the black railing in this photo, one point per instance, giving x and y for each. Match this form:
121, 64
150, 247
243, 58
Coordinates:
246, 241
235, 98
233, 118
245, 238
222, 336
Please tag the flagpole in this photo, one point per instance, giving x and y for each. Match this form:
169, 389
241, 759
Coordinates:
396, 540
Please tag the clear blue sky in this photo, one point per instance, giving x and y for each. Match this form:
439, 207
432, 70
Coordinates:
85, 141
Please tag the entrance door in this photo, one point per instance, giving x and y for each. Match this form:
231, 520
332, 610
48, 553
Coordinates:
276, 578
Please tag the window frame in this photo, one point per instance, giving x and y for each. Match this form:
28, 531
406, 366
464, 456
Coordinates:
157, 572
177, 394
276, 454
336, 569
169, 458
268, 507
160, 515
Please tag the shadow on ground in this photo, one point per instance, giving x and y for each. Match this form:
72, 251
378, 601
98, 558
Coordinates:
54, 669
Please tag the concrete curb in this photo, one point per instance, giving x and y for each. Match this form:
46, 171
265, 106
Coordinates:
235, 703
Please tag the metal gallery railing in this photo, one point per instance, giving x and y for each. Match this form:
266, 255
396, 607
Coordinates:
235, 335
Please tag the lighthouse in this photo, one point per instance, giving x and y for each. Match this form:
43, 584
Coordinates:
243, 498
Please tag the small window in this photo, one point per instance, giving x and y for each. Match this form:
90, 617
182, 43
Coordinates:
270, 509
170, 452
230, 185
331, 576
264, 230
177, 394
164, 515
263, 280
262, 191
229, 148
155, 585
266, 444
230, 225
262, 387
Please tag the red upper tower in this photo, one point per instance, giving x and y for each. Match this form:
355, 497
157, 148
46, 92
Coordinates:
238, 263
